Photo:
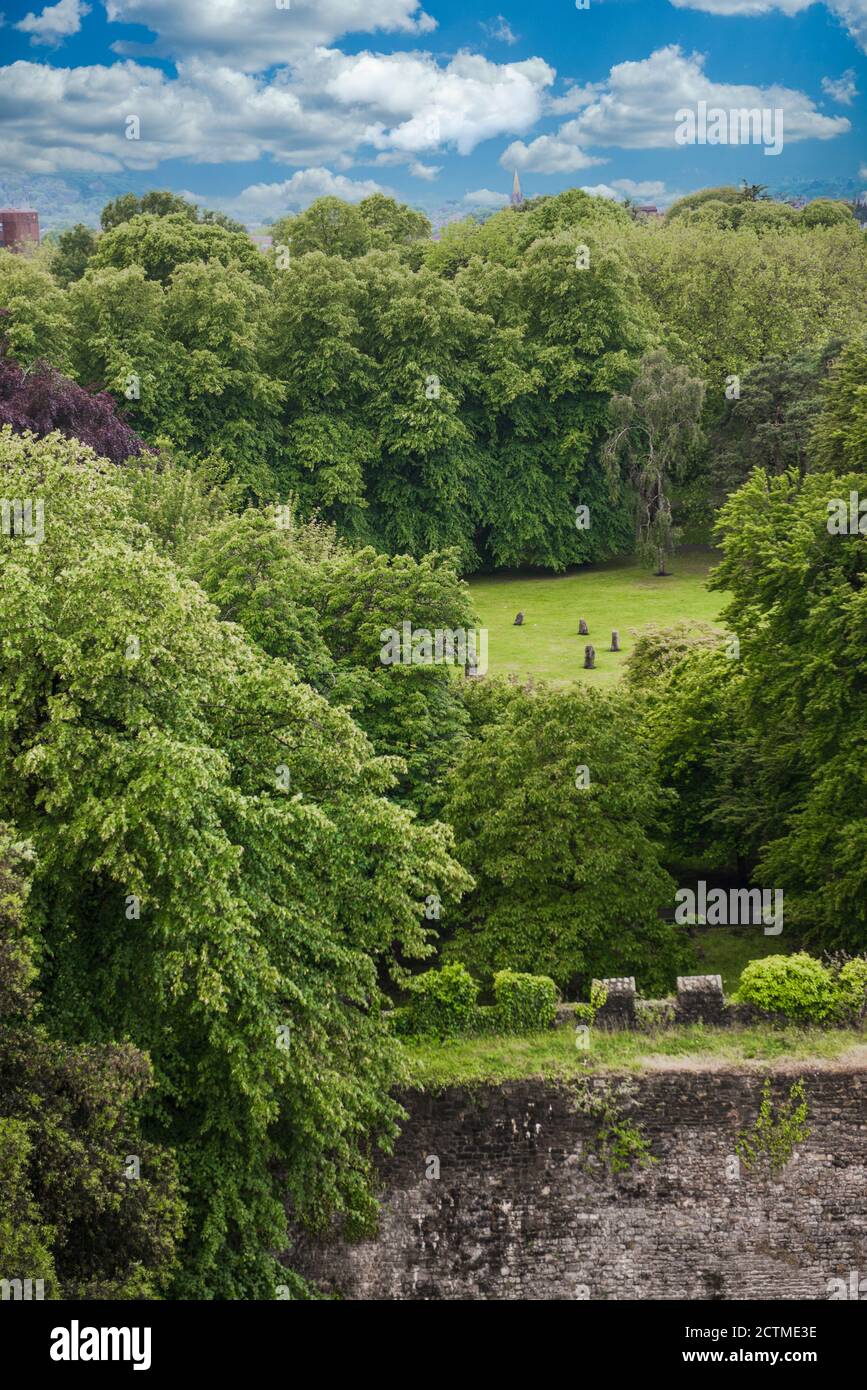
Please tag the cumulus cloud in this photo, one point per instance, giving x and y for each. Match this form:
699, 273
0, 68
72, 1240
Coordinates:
416, 104
635, 107
55, 23
58, 119
486, 198
415, 166
572, 100
263, 202
252, 35
547, 155
599, 190
852, 14
841, 89
646, 188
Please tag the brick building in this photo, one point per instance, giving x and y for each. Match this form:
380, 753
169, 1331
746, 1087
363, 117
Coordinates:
18, 228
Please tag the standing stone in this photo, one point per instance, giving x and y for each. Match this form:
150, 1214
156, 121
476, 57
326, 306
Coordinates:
589, 658
615, 641
700, 999
583, 629
618, 1011
519, 621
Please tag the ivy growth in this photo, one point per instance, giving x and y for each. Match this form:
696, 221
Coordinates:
616, 1145
771, 1142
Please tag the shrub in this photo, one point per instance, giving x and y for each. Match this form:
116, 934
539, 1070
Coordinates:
524, 1003
852, 987
798, 986
443, 1002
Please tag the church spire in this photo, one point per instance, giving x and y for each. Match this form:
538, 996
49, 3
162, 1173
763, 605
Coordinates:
517, 195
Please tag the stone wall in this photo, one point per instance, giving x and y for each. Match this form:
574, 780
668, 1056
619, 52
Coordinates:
514, 1214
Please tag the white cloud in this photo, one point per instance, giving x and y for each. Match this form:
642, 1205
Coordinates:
599, 190
841, 89
547, 155
415, 104
852, 14
646, 188
486, 198
263, 202
635, 107
58, 119
500, 29
254, 34
740, 8
55, 23
415, 166
572, 100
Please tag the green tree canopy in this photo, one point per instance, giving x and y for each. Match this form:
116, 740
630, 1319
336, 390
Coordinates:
556, 811
161, 244
220, 875
89, 1205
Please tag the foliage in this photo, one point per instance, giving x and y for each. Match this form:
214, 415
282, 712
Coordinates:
40, 401
852, 987
338, 228
191, 779
798, 599
707, 755
443, 1002
162, 203
34, 314
729, 299
726, 193
72, 253
524, 1003
71, 1215
798, 986
659, 648
159, 201
655, 431
161, 244
770, 424
771, 1143
259, 579
616, 1146
568, 882
187, 356
839, 440
425, 395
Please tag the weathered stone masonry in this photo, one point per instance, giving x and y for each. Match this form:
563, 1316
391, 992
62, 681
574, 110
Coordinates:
514, 1216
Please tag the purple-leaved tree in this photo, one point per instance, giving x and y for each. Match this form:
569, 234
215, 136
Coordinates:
40, 399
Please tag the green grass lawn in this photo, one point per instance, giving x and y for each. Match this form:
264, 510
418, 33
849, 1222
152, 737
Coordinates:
620, 594
726, 950
553, 1055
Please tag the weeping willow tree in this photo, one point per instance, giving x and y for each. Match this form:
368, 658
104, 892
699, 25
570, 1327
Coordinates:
656, 429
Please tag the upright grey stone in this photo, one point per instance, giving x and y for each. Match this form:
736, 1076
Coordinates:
589, 658
700, 999
618, 1011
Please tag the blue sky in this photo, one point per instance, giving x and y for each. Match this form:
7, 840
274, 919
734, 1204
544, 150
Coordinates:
258, 106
